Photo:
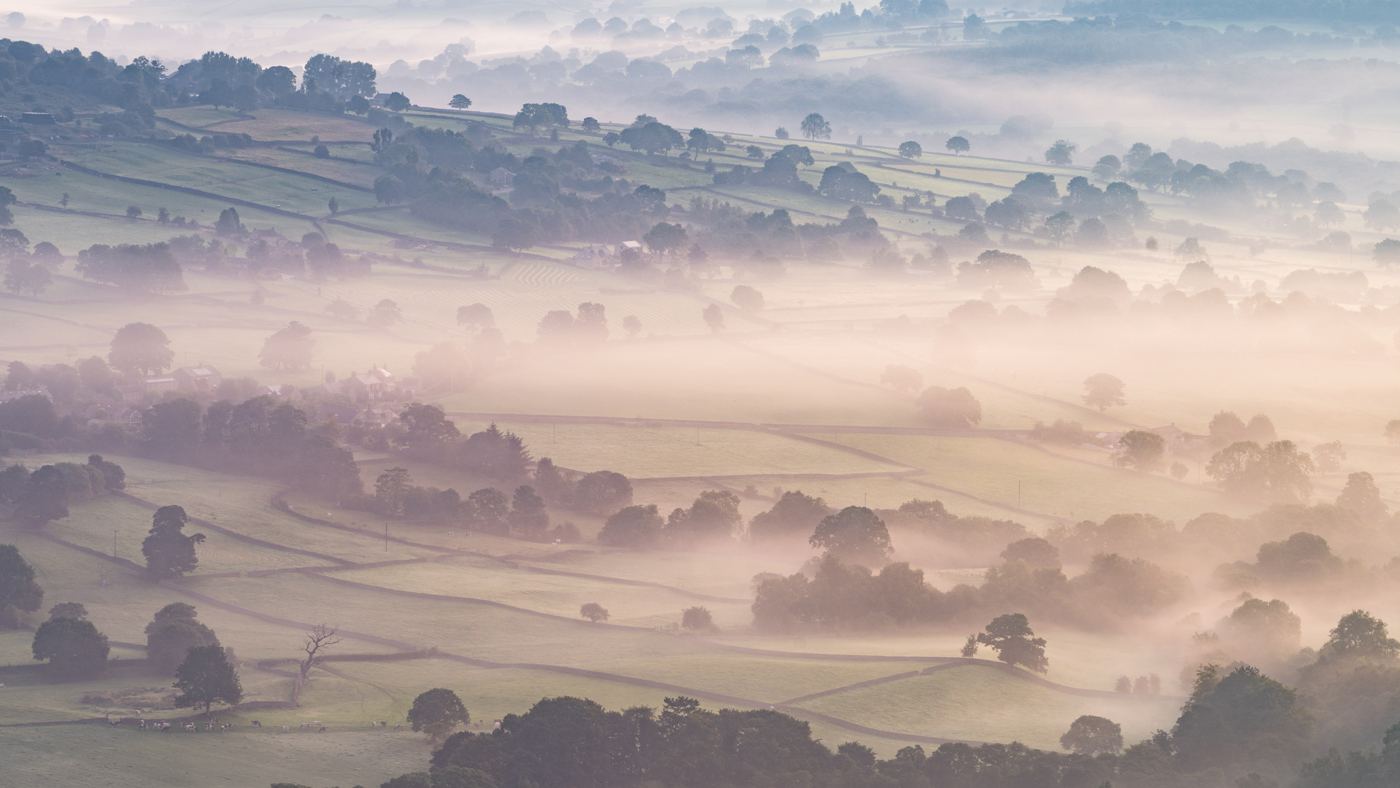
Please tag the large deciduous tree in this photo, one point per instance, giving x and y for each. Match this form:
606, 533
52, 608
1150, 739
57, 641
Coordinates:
168, 551
18, 588
1090, 735
172, 633
288, 349
1103, 391
73, 647
206, 676
950, 407
855, 534
437, 712
1011, 637
140, 348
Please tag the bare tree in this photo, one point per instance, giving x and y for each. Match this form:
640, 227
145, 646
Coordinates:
320, 638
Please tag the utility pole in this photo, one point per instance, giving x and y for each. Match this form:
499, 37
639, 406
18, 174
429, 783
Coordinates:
114, 543
386, 537
1018, 493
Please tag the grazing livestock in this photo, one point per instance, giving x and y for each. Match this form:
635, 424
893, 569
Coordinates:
257, 724
398, 727
323, 729
286, 729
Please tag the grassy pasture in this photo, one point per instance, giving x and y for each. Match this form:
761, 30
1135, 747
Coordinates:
90, 754
645, 451
985, 705
225, 176
990, 468
701, 379
280, 124
553, 594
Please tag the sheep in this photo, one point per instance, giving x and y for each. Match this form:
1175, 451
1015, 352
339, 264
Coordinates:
257, 724
323, 729
304, 726
286, 729
317, 722
398, 727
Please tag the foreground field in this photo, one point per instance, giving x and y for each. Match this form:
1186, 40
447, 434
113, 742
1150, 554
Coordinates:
502, 633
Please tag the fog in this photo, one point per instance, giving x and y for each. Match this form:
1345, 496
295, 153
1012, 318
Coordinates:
582, 394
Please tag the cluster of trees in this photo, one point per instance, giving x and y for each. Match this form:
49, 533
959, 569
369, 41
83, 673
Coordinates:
44, 495
261, 436
841, 596
148, 268
712, 517
1237, 725
488, 510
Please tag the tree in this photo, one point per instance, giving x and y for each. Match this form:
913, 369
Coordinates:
140, 348
169, 552
288, 349
1141, 450
793, 515
593, 612
911, 149
390, 489
1103, 391
814, 127
44, 497
854, 534
1392, 432
697, 619
73, 647
637, 526
746, 297
528, 516
1010, 636
665, 237
1362, 498
437, 712
18, 588
397, 102
133, 212
602, 493
24, 278
1328, 457
322, 152
1382, 215
1277, 471
388, 189
333, 206
172, 633
229, 225
476, 316
206, 676
459, 101
1061, 153
384, 314
1245, 715
1386, 253
714, 317
1090, 735
591, 125
1058, 226
950, 407
969, 647
958, 145
781, 133
315, 643
1360, 636
632, 326
1107, 168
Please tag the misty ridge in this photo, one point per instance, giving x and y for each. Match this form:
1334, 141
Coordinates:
767, 396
